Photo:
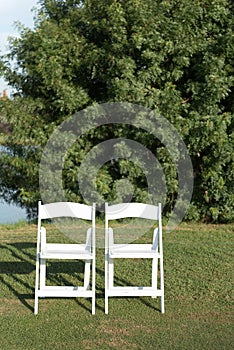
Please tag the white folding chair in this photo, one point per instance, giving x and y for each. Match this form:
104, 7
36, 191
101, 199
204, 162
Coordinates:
152, 251
79, 251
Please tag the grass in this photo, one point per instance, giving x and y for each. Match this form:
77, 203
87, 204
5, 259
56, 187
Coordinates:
198, 287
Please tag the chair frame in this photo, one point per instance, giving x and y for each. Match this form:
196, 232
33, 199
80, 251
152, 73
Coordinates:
86, 252
152, 251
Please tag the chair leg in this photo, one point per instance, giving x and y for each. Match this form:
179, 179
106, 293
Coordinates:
93, 286
162, 285
162, 304
36, 295
106, 303
36, 286
87, 274
111, 273
106, 283
42, 273
154, 274
36, 302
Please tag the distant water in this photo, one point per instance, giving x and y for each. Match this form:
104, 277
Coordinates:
10, 214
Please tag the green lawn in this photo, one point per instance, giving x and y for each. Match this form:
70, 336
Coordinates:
198, 287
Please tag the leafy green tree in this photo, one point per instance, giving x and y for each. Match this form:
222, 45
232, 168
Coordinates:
174, 57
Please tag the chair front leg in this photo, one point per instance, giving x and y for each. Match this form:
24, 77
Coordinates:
111, 273
36, 286
162, 285
42, 273
106, 282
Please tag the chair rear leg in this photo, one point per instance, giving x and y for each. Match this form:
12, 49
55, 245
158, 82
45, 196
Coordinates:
87, 274
154, 275
93, 286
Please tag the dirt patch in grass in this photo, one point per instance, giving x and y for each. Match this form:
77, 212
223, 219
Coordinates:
213, 316
10, 306
120, 334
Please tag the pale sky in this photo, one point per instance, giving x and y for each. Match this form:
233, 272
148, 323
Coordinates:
13, 11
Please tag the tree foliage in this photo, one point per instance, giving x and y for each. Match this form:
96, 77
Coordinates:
174, 57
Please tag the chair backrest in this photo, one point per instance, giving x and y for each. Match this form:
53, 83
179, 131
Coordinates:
65, 209
133, 210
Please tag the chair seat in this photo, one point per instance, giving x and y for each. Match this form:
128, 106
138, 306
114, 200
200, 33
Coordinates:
133, 251
66, 251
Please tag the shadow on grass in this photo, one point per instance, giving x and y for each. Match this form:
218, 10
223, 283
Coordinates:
17, 273
13, 273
